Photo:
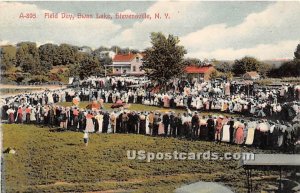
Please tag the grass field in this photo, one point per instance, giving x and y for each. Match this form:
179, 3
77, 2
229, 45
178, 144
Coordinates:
141, 107
47, 161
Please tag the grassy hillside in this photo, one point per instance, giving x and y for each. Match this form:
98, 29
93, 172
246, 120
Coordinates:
47, 161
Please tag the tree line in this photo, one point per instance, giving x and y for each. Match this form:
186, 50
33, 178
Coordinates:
162, 61
26, 59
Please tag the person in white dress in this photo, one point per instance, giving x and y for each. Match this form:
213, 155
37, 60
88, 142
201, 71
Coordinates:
99, 118
90, 127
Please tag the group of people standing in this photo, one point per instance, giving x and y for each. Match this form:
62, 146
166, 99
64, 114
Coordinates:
215, 97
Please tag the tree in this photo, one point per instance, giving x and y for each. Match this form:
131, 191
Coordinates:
297, 52
119, 50
89, 66
67, 54
102, 54
73, 70
213, 75
287, 69
49, 55
192, 61
28, 59
164, 60
229, 75
245, 64
223, 67
8, 58
264, 69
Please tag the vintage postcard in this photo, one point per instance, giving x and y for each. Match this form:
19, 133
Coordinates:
150, 96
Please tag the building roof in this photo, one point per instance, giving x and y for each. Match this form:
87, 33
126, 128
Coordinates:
197, 69
252, 73
123, 57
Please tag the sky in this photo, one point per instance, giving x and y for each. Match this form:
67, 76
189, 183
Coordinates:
220, 30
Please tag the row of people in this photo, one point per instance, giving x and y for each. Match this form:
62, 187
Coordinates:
183, 125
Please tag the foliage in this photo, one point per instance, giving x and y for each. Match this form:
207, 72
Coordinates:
192, 61
245, 64
49, 55
89, 66
29, 60
297, 52
164, 60
264, 69
8, 58
67, 54
229, 75
213, 75
223, 67
73, 70
248, 64
287, 69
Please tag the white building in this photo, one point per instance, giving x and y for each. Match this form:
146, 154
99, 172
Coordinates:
127, 64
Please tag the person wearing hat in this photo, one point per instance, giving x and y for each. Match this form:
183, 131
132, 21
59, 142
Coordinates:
142, 125
136, 122
166, 123
51, 115
113, 121
63, 121
211, 128
99, 122
172, 124
19, 117
75, 113
156, 121
124, 126
10, 112
203, 128
33, 115
151, 121
130, 122
105, 122
219, 126
28, 111
231, 129
89, 126
195, 125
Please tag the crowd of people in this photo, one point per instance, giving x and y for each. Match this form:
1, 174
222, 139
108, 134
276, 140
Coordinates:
267, 118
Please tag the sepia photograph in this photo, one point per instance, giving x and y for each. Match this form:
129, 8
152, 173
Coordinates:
149, 96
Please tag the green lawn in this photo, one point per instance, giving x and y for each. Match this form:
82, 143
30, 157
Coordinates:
140, 107
48, 161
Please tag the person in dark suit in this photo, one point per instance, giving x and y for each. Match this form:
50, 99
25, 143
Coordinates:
172, 124
211, 128
166, 122
105, 122
195, 125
